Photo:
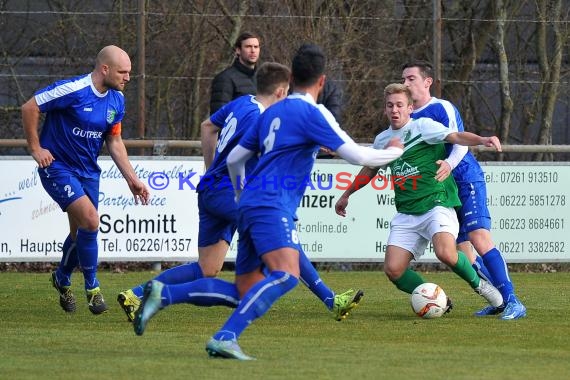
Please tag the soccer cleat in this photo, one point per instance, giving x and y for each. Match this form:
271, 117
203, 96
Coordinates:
490, 293
345, 302
449, 306
151, 304
489, 310
129, 303
227, 349
513, 310
95, 301
66, 297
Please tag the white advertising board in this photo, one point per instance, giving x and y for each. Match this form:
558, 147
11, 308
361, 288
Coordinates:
34, 227
529, 203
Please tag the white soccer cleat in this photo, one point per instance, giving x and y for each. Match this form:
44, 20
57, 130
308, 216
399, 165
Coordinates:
490, 293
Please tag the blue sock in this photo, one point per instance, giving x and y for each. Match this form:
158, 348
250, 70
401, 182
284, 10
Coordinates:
497, 267
87, 252
68, 263
481, 269
310, 277
202, 292
139, 290
181, 274
256, 302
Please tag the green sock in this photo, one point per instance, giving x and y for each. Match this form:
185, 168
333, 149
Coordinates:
464, 270
408, 281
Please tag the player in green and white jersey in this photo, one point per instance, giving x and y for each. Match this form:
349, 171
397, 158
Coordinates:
413, 175
425, 206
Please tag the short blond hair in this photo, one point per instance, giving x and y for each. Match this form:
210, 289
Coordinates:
398, 88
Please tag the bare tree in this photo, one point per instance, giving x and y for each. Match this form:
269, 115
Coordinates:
495, 54
549, 11
499, 44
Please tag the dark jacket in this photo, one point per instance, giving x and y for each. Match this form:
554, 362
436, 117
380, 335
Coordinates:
231, 83
331, 97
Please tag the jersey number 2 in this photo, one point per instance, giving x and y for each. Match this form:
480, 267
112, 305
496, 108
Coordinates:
68, 190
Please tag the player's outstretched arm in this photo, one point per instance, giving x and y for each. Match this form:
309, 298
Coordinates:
471, 139
371, 159
118, 152
366, 156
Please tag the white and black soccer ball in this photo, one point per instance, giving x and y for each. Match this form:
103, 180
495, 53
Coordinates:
429, 301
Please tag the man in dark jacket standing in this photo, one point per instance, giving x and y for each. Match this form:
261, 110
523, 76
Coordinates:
238, 79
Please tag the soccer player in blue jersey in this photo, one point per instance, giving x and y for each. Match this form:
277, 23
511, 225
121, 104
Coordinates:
287, 137
218, 210
81, 114
474, 216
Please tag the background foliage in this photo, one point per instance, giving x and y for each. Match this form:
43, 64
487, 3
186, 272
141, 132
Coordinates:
504, 63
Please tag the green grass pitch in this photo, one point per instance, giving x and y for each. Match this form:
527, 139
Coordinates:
296, 339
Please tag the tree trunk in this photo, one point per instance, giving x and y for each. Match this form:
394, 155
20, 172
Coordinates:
506, 100
550, 70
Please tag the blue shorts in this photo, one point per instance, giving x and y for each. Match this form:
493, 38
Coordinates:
473, 213
64, 186
218, 216
263, 230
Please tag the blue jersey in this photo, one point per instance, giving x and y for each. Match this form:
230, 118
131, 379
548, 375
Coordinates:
468, 170
234, 119
288, 136
78, 119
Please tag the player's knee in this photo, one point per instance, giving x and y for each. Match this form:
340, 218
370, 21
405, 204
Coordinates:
448, 257
91, 224
392, 272
481, 240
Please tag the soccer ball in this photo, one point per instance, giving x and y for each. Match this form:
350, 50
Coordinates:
429, 301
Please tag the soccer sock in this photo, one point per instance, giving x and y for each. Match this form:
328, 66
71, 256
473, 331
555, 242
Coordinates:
256, 302
464, 270
181, 274
87, 252
202, 292
69, 261
481, 269
310, 277
139, 291
408, 281
497, 266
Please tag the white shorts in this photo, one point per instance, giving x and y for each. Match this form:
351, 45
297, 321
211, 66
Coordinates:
414, 232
